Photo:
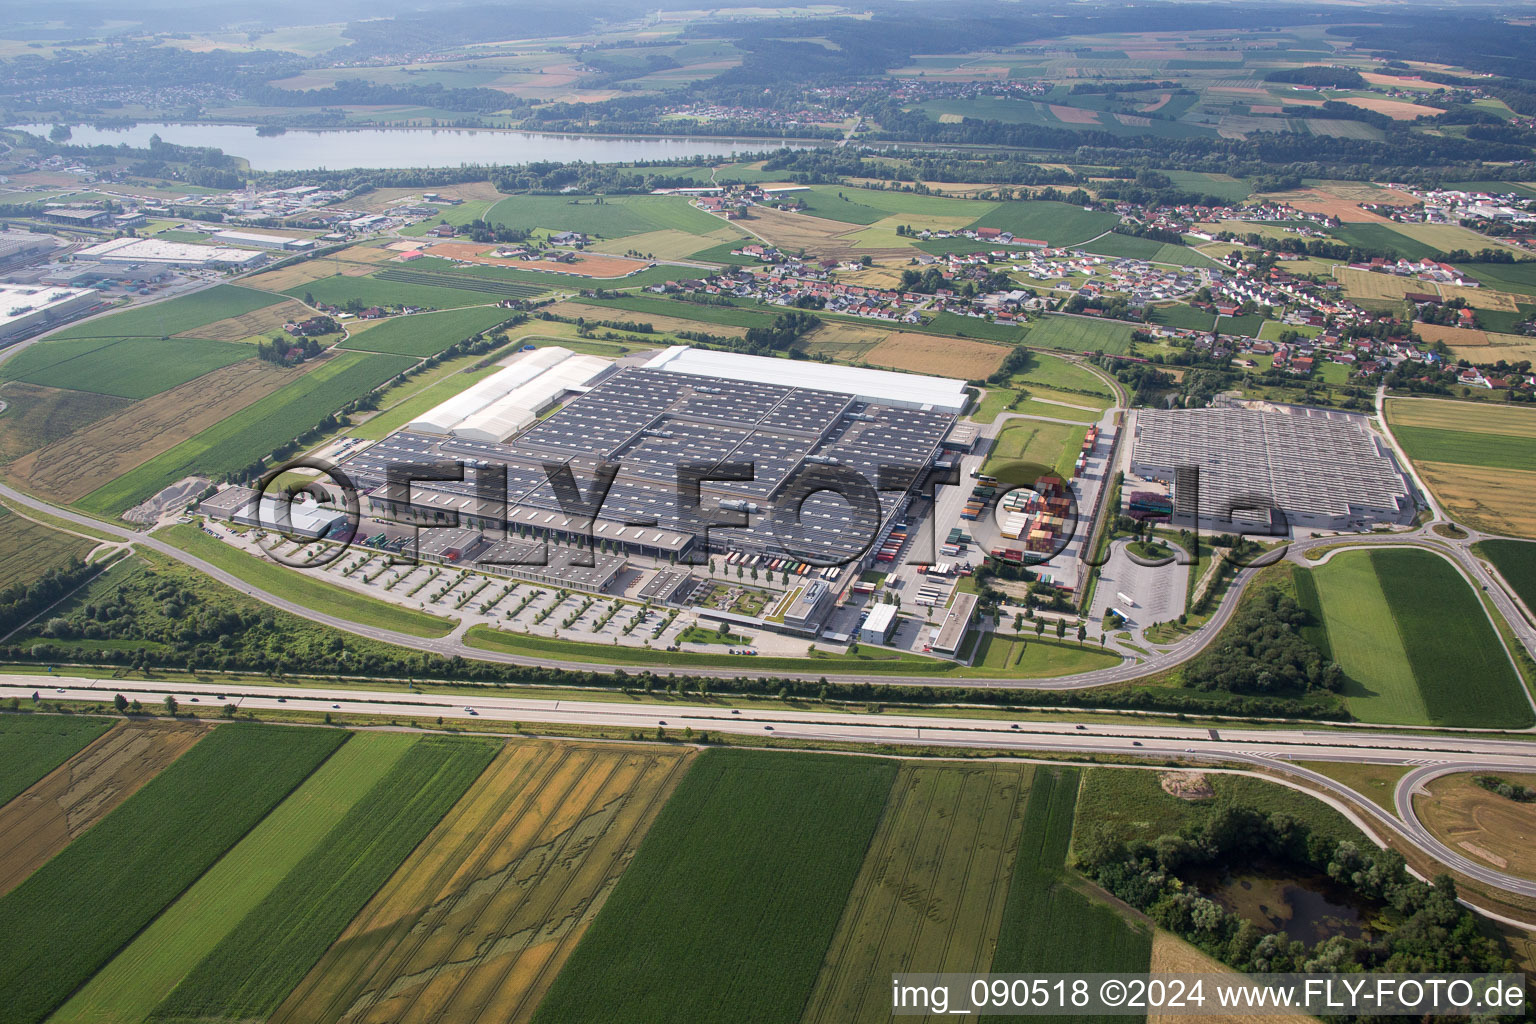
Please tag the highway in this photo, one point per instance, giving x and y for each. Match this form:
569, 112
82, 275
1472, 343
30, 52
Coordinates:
1275, 749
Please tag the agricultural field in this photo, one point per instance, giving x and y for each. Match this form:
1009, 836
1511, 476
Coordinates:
956, 326
930, 895
253, 432
944, 357
608, 217
427, 289
1056, 223
426, 334
844, 341
248, 973
668, 322
1081, 334
122, 367
81, 791
263, 321
145, 972
101, 451
1516, 562
28, 549
35, 745
1183, 316
1045, 444
56, 930
36, 416
1378, 614
1050, 921
1515, 277
724, 866
303, 588
480, 919
1476, 458
702, 316
1133, 804
1488, 827
174, 316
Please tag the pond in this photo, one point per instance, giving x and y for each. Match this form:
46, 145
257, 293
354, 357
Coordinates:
343, 148
1306, 907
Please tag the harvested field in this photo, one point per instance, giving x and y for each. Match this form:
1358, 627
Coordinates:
1480, 298
35, 745
946, 357
586, 264
260, 321
1172, 955
1397, 110
36, 415
1312, 200
477, 923
1492, 828
1463, 337
1477, 417
304, 272
845, 342
669, 243
660, 322
930, 895
830, 239
365, 254
29, 549
1489, 499
71, 468
41, 822
1364, 284
1074, 115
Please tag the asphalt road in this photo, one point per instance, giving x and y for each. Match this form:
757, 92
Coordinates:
1276, 749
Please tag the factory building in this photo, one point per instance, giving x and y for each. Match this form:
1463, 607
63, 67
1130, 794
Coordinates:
1321, 469
260, 241
27, 309
154, 252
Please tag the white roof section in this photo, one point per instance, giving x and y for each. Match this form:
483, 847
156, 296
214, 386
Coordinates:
881, 616
903, 390
519, 409
154, 250
442, 418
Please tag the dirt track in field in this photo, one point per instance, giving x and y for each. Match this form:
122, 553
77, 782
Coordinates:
81, 791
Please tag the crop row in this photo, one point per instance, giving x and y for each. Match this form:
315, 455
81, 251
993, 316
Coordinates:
506, 289
65, 921
255, 966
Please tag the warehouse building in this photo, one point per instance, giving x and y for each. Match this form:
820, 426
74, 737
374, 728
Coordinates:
1320, 469
260, 241
155, 252
795, 431
27, 309
78, 217
879, 625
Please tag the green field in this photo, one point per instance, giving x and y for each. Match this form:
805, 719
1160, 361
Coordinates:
1516, 562
970, 327
1056, 223
122, 367
247, 974
1133, 803
1045, 444
1183, 317
608, 217
1507, 277
930, 894
1467, 448
1049, 921
1382, 616
253, 432
1054, 372
727, 910
1381, 237
866, 206
375, 291
75, 912
459, 282
303, 587
144, 973
1137, 248
706, 313
28, 550
1081, 334
174, 316
31, 746
427, 334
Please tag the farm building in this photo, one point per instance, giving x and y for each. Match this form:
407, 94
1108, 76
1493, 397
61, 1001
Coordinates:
1316, 468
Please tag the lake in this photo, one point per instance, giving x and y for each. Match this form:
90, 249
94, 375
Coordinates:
1308, 907
339, 149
